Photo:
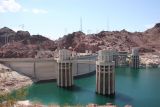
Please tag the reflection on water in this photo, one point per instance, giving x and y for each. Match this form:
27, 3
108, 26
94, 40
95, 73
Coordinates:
123, 98
136, 87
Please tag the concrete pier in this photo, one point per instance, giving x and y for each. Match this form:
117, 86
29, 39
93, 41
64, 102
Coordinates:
65, 75
105, 75
135, 58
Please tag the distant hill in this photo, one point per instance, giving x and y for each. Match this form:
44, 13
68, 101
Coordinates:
148, 41
21, 44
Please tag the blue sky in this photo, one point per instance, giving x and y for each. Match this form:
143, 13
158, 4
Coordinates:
54, 18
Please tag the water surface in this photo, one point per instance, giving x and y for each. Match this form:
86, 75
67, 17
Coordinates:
140, 88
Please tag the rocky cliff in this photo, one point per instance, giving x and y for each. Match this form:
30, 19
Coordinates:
148, 41
21, 44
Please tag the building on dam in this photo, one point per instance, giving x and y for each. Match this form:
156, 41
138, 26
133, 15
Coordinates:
135, 58
105, 73
122, 58
115, 57
65, 73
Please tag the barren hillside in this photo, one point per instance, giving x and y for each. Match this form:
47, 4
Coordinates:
22, 44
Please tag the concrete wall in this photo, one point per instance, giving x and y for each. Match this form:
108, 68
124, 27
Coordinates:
22, 67
44, 69
37, 69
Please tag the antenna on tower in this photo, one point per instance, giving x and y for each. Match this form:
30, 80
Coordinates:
21, 26
81, 27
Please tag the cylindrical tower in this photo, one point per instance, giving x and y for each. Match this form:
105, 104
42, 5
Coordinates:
65, 75
105, 75
135, 58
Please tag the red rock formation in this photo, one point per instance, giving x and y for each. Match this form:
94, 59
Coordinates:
148, 41
22, 44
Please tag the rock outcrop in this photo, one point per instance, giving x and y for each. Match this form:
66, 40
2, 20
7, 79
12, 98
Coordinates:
148, 41
21, 44
11, 80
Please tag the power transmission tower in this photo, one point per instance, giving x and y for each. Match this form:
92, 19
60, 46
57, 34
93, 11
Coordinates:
21, 26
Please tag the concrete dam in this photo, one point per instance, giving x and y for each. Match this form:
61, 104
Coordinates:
46, 68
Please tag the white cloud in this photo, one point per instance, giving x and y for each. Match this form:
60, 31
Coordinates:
9, 6
14, 6
25, 10
39, 11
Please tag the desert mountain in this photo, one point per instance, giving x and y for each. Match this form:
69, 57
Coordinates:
148, 41
22, 44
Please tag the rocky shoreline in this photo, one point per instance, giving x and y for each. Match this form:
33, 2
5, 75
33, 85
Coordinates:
30, 104
150, 60
11, 80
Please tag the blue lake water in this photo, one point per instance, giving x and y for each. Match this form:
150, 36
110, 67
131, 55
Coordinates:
140, 88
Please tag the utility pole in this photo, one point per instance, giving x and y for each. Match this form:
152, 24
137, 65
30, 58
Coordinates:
21, 26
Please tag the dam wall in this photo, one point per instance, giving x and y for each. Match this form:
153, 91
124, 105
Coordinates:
46, 68
37, 69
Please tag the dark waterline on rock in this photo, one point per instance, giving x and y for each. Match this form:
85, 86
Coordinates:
139, 88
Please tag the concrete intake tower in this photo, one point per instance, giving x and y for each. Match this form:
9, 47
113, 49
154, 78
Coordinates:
105, 73
135, 58
65, 74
